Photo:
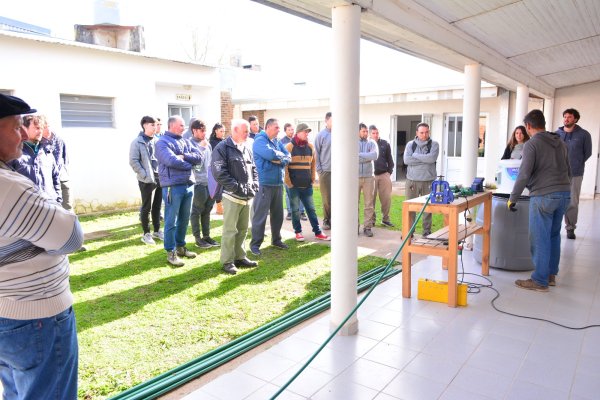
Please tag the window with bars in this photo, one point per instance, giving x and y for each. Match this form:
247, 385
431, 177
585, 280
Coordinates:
86, 111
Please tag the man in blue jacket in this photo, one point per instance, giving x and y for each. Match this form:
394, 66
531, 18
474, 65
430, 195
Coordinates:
579, 143
270, 157
176, 159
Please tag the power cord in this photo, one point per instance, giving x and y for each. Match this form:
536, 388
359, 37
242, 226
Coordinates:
474, 288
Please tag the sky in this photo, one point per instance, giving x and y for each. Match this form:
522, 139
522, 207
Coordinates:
289, 49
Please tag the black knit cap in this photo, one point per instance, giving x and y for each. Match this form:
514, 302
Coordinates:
11, 105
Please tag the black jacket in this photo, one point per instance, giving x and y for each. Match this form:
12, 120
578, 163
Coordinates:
385, 162
230, 169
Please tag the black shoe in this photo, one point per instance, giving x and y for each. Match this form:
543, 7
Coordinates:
245, 263
368, 232
326, 226
281, 245
426, 233
388, 223
230, 268
203, 244
303, 216
210, 241
255, 251
571, 234
288, 216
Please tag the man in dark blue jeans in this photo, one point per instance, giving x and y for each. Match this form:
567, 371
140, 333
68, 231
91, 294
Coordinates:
545, 172
176, 158
300, 176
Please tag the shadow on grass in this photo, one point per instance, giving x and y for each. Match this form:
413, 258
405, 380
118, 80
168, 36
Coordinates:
272, 265
322, 285
93, 313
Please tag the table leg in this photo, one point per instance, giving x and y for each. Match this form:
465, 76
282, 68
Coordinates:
406, 257
487, 225
453, 258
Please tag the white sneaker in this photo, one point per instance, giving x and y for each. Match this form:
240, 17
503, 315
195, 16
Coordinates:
159, 235
147, 238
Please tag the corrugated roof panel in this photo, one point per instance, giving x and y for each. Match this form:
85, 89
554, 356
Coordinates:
456, 10
574, 77
578, 54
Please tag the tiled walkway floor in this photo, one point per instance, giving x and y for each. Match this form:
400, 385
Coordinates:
411, 349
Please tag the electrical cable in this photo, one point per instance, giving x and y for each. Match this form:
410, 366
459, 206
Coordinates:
475, 288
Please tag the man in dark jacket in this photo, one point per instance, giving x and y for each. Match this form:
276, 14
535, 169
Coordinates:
176, 158
233, 168
579, 143
545, 172
384, 166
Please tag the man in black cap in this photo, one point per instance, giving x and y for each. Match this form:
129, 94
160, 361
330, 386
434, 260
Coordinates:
38, 337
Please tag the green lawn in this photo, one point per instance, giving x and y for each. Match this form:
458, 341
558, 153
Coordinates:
138, 317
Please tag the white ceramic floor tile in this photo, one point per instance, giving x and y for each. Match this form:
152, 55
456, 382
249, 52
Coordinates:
333, 361
374, 330
589, 365
433, 368
306, 384
489, 360
408, 386
587, 385
269, 390
341, 389
200, 395
355, 345
409, 339
525, 390
234, 385
505, 345
485, 383
548, 375
424, 325
391, 355
454, 393
294, 348
384, 396
370, 374
266, 366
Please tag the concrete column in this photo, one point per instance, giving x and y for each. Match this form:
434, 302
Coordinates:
521, 106
549, 114
470, 128
344, 161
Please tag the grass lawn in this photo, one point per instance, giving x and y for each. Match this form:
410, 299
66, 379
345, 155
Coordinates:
138, 317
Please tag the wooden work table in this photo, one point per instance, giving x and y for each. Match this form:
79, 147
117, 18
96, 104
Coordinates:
444, 243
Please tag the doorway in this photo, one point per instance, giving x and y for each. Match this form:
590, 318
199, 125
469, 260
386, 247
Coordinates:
403, 130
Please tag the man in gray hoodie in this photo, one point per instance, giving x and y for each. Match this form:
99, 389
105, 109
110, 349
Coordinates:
420, 156
545, 172
579, 143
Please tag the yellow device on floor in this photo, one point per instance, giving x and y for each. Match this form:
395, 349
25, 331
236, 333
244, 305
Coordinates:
438, 291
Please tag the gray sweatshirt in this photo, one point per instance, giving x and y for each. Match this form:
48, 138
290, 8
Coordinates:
323, 149
544, 167
201, 170
368, 151
421, 162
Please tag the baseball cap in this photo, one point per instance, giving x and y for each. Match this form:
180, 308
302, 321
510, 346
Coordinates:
11, 105
303, 127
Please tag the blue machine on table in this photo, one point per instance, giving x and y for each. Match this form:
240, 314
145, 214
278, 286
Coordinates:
440, 192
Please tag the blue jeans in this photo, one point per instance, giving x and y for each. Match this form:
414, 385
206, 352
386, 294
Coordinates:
288, 203
38, 357
305, 196
545, 218
178, 204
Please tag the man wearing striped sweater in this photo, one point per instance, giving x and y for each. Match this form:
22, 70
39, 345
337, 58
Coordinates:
38, 339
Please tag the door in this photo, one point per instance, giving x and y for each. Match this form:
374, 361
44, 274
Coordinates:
452, 152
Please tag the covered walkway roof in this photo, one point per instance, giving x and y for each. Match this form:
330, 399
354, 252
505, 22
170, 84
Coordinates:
542, 44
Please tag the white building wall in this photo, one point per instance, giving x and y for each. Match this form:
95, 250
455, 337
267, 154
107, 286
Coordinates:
585, 99
39, 71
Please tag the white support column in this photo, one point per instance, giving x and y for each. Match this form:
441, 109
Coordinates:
344, 161
521, 106
470, 129
549, 114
